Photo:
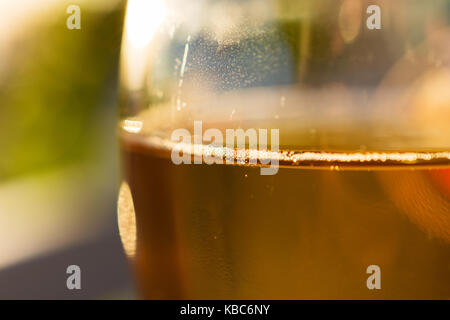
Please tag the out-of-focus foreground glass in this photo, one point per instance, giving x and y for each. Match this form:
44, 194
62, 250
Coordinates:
363, 114
57, 112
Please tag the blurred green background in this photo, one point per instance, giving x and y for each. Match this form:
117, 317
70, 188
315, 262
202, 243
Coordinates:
58, 177
56, 87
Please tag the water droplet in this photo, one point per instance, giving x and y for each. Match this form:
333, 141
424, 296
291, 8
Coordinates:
232, 114
282, 101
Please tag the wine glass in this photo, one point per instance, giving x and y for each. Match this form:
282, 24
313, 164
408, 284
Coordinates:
286, 149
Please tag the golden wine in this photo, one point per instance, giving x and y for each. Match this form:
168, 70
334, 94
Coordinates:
308, 232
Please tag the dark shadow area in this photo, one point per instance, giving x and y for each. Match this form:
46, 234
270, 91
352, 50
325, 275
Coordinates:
105, 273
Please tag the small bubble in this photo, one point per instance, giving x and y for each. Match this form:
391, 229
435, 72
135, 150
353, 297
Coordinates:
282, 101
232, 114
246, 175
159, 94
171, 31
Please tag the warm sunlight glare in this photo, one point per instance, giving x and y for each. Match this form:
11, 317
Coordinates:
143, 19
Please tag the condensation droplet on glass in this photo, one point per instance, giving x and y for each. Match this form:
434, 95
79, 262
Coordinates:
232, 114
282, 101
171, 31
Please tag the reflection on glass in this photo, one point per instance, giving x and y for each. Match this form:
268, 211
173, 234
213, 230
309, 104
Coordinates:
127, 220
